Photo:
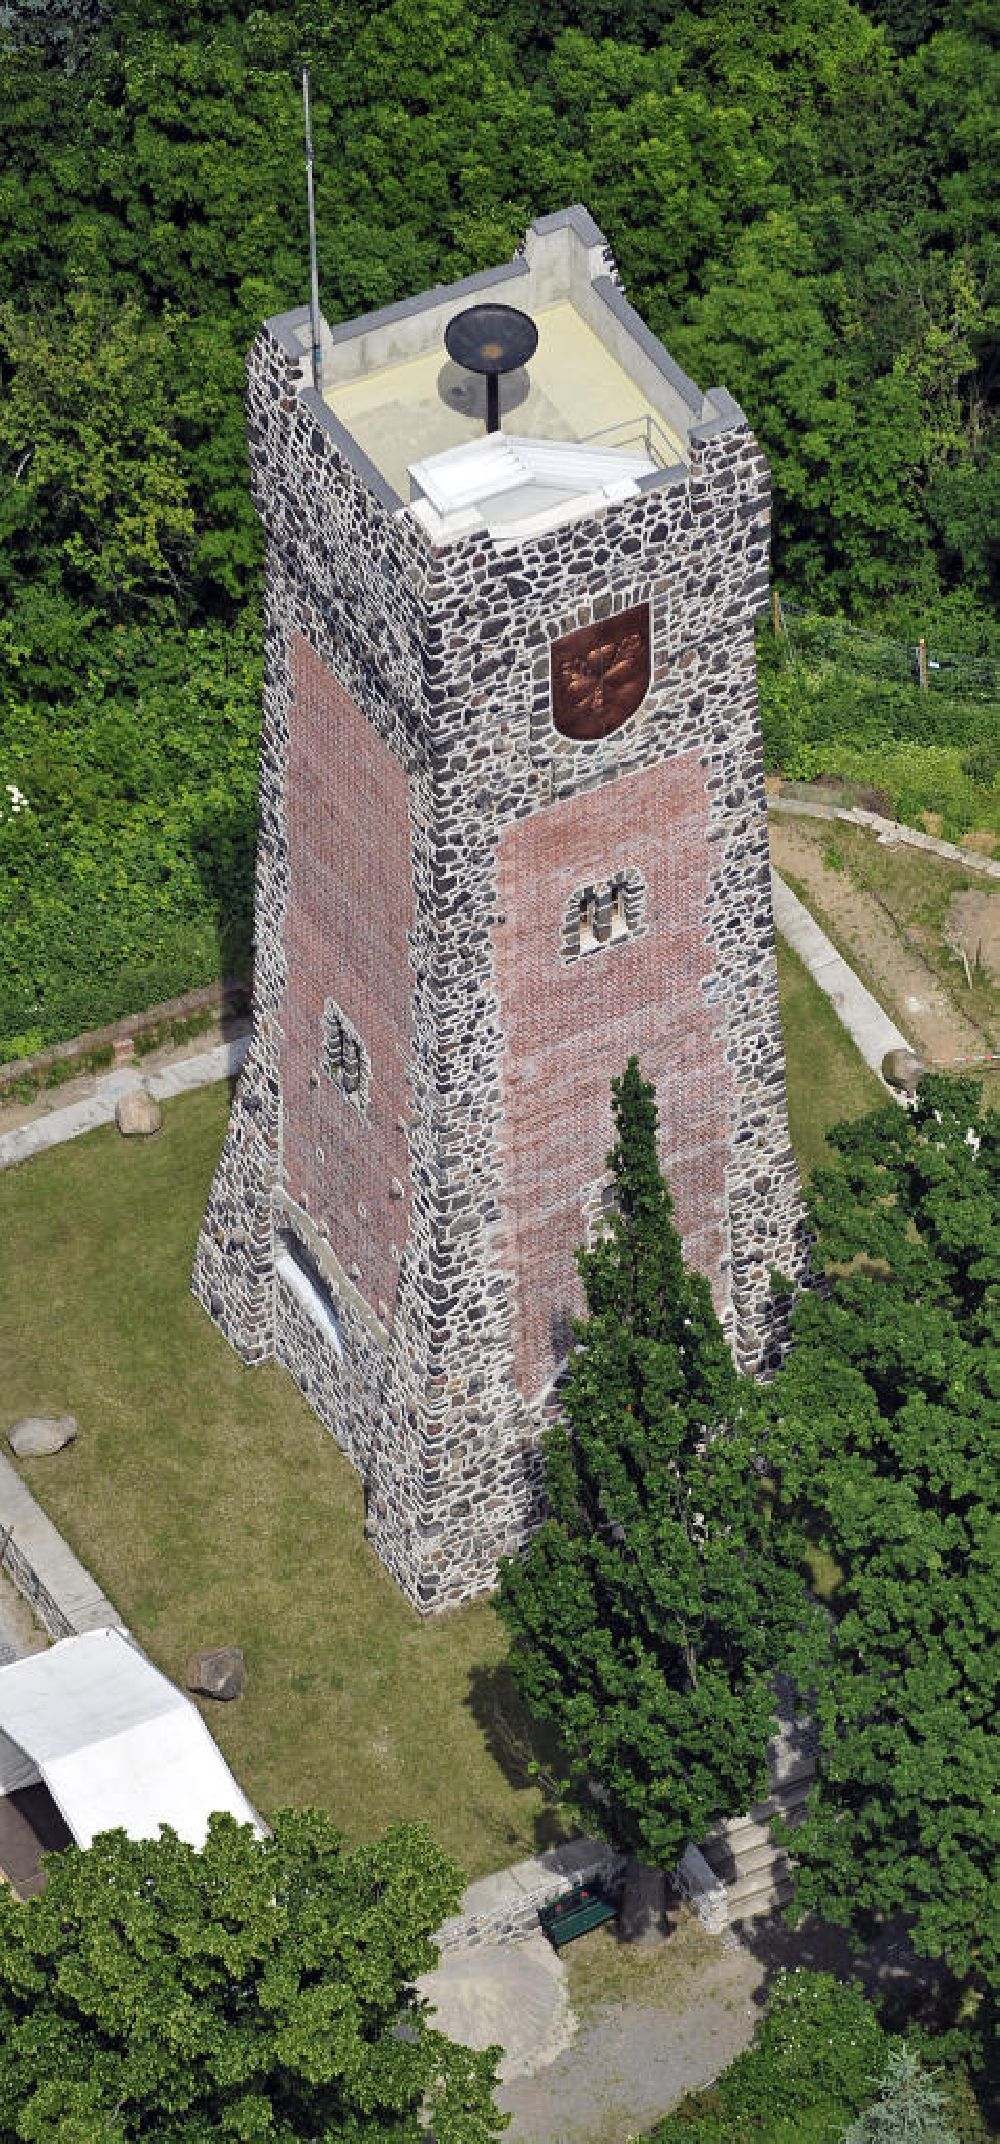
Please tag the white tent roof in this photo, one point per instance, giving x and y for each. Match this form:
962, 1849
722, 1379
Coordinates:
116, 1743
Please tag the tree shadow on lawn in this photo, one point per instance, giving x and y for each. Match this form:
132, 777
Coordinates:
526, 1754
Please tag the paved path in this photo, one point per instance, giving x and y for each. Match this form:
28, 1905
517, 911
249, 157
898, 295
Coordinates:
66, 1598
57, 1125
679, 2016
870, 1029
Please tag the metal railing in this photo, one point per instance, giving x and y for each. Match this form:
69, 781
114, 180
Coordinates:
636, 431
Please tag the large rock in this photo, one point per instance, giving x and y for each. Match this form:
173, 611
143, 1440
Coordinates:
35, 1435
218, 1674
902, 1069
138, 1113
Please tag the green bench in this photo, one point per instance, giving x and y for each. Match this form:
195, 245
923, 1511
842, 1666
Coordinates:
581, 1909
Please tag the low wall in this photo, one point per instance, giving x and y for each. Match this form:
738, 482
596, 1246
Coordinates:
55, 1584
888, 831
504, 1908
229, 999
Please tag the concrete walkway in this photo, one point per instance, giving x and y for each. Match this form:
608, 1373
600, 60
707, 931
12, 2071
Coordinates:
870, 1029
57, 1125
43, 1567
631, 2063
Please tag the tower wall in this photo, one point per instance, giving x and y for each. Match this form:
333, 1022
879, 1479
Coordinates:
424, 832
568, 1015
348, 914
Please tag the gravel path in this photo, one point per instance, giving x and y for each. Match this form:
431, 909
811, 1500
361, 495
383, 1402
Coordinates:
626, 2067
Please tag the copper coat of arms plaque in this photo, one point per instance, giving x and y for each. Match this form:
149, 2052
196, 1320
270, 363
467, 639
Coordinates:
600, 674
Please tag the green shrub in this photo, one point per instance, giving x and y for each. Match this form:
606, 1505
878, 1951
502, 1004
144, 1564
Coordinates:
807, 2074
847, 707
126, 874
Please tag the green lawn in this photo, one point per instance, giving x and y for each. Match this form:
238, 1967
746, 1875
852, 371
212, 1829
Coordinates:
212, 1507
827, 1079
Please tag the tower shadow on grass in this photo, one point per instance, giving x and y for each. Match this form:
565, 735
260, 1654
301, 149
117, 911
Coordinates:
526, 1753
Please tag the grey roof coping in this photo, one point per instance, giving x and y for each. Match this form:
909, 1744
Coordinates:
347, 445
723, 402
575, 218
409, 308
618, 304
730, 417
664, 479
282, 327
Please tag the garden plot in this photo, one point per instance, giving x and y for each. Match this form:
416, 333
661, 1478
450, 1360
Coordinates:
910, 925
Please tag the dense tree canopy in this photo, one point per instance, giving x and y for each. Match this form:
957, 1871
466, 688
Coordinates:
650, 1612
801, 199
259, 1991
887, 1432
801, 205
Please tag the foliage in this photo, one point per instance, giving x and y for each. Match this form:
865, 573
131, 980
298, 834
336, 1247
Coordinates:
127, 877
844, 705
808, 2071
95, 500
909, 2110
61, 30
885, 1433
650, 1610
258, 1989
801, 206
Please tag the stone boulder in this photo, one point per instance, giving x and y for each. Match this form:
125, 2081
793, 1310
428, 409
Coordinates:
137, 1113
217, 1674
902, 1069
34, 1436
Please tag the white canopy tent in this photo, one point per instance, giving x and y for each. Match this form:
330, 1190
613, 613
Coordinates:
117, 1745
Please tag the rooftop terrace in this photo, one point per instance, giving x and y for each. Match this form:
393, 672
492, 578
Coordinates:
599, 381
573, 387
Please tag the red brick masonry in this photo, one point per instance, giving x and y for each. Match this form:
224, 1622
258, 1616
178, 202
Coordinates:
566, 1021
350, 904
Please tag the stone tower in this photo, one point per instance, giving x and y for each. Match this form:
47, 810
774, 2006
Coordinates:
512, 829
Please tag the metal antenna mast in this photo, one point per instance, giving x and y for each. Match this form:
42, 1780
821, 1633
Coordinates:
317, 350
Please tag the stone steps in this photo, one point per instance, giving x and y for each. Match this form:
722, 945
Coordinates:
742, 1852
731, 1867
753, 1898
741, 1834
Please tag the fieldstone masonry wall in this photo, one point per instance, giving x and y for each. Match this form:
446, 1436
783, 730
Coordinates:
442, 1224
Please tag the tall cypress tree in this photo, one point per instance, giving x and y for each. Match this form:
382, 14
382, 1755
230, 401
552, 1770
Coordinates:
651, 1610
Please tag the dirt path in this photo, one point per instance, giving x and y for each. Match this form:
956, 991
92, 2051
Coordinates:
974, 919
866, 933
19, 1632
